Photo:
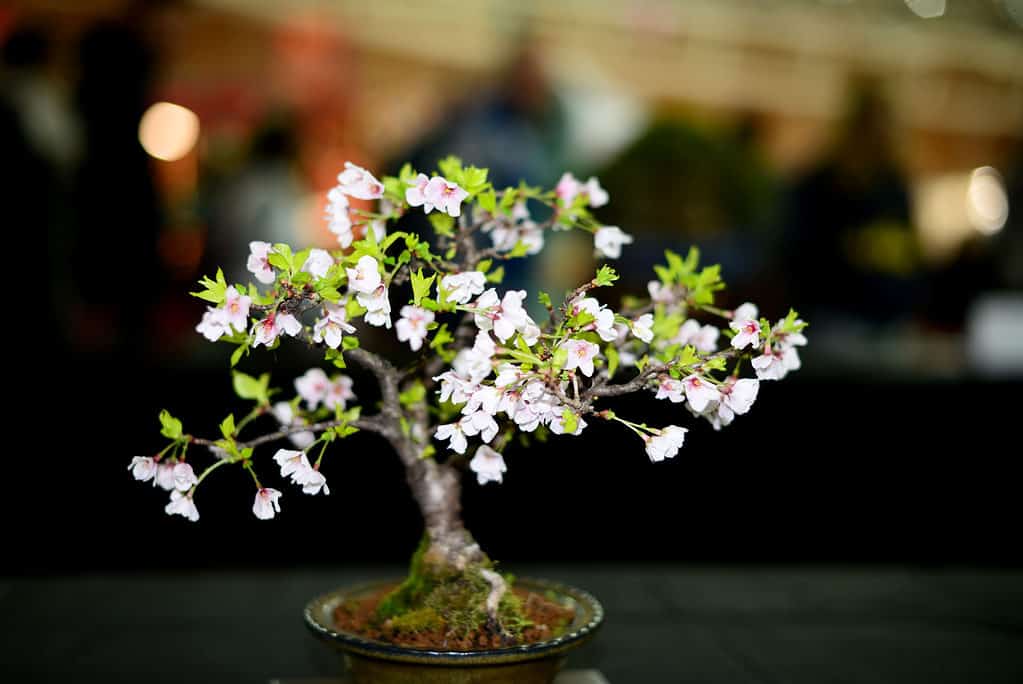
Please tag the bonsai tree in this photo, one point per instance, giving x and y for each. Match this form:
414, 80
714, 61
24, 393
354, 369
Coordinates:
485, 370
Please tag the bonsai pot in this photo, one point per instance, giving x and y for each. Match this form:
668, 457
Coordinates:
377, 662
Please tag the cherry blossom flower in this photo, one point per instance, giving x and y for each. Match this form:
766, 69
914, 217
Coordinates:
182, 504
339, 392
184, 477
660, 293
415, 195
213, 326
285, 415
671, 389
703, 338
557, 425
642, 328
461, 287
596, 195
666, 444
332, 326
270, 328
318, 263
339, 221
454, 433
365, 277
608, 240
747, 332
506, 235
312, 387
480, 423
580, 355
267, 503
746, 312
776, 362
504, 318
445, 195
291, 462
259, 262
236, 309
737, 396
143, 468
488, 465
378, 306
164, 476
567, 189
411, 327
604, 322
359, 183
312, 481
700, 393
485, 399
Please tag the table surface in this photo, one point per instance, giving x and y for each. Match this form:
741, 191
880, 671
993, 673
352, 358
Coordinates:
664, 624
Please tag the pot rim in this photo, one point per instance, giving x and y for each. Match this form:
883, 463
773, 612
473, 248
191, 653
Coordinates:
318, 617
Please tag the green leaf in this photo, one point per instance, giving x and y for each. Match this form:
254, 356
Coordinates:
488, 200
278, 261
415, 394
451, 168
331, 295
612, 360
545, 299
170, 427
421, 286
349, 342
484, 265
215, 290
441, 338
236, 356
605, 276
442, 224
496, 276
520, 249
560, 357
248, 387
227, 426
569, 421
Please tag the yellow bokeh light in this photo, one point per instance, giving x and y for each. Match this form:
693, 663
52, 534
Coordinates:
987, 203
168, 131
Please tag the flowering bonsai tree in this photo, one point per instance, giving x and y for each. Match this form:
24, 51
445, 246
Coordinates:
485, 370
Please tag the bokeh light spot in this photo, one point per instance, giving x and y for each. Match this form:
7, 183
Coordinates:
168, 131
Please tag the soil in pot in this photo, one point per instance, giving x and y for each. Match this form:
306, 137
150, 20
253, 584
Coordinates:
537, 618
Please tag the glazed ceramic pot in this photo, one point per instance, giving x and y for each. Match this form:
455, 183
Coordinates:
378, 662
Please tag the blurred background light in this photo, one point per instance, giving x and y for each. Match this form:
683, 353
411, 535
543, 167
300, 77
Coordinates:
168, 131
987, 204
927, 9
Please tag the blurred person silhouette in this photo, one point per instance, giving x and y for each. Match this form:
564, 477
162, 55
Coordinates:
117, 212
38, 143
852, 254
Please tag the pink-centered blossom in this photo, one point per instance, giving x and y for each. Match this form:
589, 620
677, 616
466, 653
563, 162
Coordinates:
608, 240
671, 389
776, 362
259, 262
312, 386
143, 468
318, 263
580, 356
164, 478
700, 392
365, 277
291, 462
359, 183
666, 444
412, 326
182, 504
488, 465
415, 194
567, 189
461, 287
267, 503
378, 306
747, 333
332, 326
737, 396
445, 196
604, 318
271, 327
504, 318
236, 309
339, 392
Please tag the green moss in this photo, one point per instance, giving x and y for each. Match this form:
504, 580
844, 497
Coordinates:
422, 620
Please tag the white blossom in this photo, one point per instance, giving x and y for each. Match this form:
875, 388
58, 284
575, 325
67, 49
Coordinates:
660, 293
259, 262
285, 415
700, 393
291, 462
775, 363
318, 263
236, 309
642, 327
580, 355
267, 503
666, 444
671, 389
312, 481
567, 189
359, 183
596, 195
339, 392
312, 387
164, 476
747, 333
365, 277
213, 326
445, 195
454, 433
378, 306
557, 425
488, 465
143, 468
184, 477
461, 287
480, 423
415, 194
182, 504
339, 221
704, 338
271, 327
604, 318
412, 326
332, 326
608, 240
746, 312
505, 318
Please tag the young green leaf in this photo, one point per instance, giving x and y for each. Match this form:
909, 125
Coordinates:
605, 276
248, 387
170, 427
421, 286
227, 427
